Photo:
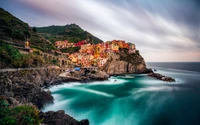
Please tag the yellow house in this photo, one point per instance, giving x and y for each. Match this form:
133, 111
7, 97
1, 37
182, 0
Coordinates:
27, 44
115, 47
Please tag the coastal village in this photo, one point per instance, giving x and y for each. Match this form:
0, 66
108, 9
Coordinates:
32, 61
95, 54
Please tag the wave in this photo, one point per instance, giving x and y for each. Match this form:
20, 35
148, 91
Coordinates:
79, 88
92, 91
58, 102
110, 81
96, 92
153, 89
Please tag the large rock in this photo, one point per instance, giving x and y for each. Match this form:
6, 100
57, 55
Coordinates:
60, 118
161, 77
125, 63
117, 67
25, 85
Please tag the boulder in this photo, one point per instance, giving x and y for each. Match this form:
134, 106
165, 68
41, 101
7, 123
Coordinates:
125, 63
60, 118
161, 77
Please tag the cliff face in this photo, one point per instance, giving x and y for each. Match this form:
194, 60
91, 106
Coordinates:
24, 87
124, 62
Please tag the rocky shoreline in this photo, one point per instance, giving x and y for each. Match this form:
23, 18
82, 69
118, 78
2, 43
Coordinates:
25, 87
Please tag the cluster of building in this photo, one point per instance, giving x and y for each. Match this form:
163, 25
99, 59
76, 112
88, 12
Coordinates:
67, 44
98, 54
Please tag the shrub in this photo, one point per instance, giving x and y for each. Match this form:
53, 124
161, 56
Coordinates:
34, 29
18, 35
93, 72
70, 50
27, 33
137, 52
54, 61
20, 115
7, 30
13, 58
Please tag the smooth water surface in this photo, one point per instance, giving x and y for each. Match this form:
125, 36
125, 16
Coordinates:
133, 100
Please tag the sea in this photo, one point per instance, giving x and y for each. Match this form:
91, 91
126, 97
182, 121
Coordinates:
135, 99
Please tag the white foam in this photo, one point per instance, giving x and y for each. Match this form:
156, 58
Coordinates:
154, 89
110, 81
57, 104
65, 85
93, 91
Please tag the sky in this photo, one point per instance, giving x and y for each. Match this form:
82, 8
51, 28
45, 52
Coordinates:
163, 30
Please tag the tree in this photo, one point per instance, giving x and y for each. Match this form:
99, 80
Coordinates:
27, 33
18, 35
7, 30
34, 29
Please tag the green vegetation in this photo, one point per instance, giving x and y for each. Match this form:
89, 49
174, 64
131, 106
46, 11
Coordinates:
11, 57
93, 72
70, 50
137, 52
20, 115
14, 30
34, 29
54, 61
130, 58
72, 33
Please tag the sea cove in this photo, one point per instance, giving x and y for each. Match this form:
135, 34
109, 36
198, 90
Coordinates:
132, 99
99, 62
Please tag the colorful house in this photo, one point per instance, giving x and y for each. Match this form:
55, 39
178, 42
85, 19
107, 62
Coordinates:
97, 55
101, 62
80, 43
27, 43
61, 44
115, 47
132, 48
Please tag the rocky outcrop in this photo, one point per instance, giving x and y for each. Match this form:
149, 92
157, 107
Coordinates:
60, 118
85, 75
161, 77
25, 86
124, 63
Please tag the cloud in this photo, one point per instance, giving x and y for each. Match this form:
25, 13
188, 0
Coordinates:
156, 27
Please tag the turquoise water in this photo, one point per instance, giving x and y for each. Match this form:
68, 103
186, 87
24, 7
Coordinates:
132, 100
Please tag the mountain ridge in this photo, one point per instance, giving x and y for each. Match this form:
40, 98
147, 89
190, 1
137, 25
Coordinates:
42, 38
71, 32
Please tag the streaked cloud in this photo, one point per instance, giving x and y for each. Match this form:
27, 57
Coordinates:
168, 30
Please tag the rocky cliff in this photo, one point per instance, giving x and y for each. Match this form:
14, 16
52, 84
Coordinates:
124, 63
25, 87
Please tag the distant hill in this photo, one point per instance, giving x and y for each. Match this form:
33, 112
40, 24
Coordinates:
14, 30
71, 32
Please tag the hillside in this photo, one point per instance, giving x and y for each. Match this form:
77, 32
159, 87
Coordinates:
71, 32
14, 30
